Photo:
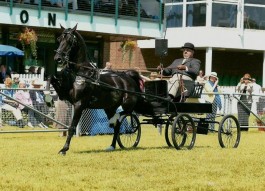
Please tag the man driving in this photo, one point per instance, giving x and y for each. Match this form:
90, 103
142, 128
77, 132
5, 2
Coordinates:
187, 66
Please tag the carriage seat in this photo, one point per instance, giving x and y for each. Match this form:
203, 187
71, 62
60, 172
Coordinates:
194, 91
159, 88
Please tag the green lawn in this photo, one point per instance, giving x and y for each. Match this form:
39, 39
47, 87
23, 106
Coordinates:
30, 162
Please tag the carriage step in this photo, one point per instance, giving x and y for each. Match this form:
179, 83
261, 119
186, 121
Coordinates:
154, 121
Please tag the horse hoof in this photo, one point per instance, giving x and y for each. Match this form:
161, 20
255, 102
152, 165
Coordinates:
110, 148
63, 153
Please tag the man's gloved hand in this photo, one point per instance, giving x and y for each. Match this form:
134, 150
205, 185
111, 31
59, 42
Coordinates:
159, 67
181, 67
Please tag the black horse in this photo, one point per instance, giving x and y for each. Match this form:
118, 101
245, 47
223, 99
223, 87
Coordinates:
85, 86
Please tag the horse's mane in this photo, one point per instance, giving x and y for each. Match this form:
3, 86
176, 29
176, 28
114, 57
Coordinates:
81, 47
81, 41
135, 76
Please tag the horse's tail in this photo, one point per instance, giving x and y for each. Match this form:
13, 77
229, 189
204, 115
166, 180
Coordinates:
136, 77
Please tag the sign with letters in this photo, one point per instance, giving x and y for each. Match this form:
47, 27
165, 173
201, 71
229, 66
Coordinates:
24, 18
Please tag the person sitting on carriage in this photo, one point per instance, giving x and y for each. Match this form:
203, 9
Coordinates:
187, 67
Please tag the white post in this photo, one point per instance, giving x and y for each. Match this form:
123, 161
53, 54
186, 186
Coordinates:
184, 19
209, 8
208, 60
42, 74
263, 70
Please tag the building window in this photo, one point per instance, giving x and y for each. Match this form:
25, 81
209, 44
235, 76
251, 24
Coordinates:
261, 2
174, 15
173, 1
196, 14
254, 17
224, 15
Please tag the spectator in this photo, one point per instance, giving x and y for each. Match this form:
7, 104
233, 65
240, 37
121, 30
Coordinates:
256, 91
39, 70
15, 83
256, 87
244, 87
24, 97
187, 67
108, 66
32, 70
4, 73
144, 78
57, 3
201, 79
62, 114
211, 86
37, 97
10, 105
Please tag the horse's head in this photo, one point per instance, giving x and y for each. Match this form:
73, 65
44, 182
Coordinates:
67, 42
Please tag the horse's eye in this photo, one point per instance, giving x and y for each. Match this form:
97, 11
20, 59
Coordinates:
59, 38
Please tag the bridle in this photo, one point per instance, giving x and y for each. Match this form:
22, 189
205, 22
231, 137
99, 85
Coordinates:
72, 41
64, 54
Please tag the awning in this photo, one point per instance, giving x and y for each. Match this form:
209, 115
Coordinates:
6, 50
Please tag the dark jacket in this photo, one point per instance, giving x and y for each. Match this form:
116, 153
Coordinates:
192, 64
33, 96
2, 78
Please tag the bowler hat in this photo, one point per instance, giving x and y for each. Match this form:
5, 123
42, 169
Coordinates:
189, 46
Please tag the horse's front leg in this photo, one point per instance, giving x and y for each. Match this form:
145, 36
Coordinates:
56, 85
77, 115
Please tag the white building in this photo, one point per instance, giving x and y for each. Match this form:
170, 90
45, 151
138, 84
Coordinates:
229, 35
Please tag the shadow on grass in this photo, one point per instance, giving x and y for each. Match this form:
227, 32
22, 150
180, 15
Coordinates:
139, 149
128, 149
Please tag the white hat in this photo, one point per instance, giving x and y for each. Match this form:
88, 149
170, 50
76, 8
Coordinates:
22, 82
15, 75
213, 74
37, 82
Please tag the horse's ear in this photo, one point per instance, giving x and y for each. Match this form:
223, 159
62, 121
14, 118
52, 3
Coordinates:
62, 27
74, 29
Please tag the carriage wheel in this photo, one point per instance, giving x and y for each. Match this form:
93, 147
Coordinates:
183, 132
229, 132
168, 130
130, 131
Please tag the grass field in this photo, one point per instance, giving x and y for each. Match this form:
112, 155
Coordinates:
30, 162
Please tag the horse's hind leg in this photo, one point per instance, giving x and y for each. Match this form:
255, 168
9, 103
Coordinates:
77, 115
110, 115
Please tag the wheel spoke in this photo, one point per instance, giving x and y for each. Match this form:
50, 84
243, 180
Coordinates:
229, 132
130, 131
183, 132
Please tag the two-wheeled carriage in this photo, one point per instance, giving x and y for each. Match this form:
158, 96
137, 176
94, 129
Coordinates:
181, 126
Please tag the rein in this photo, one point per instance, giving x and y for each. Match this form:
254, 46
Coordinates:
105, 85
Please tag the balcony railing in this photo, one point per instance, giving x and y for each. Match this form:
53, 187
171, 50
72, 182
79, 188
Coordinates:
152, 11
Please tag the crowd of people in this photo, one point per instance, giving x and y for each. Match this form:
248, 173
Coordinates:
28, 95
248, 92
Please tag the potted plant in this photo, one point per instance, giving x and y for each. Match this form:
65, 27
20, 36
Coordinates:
28, 39
127, 46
